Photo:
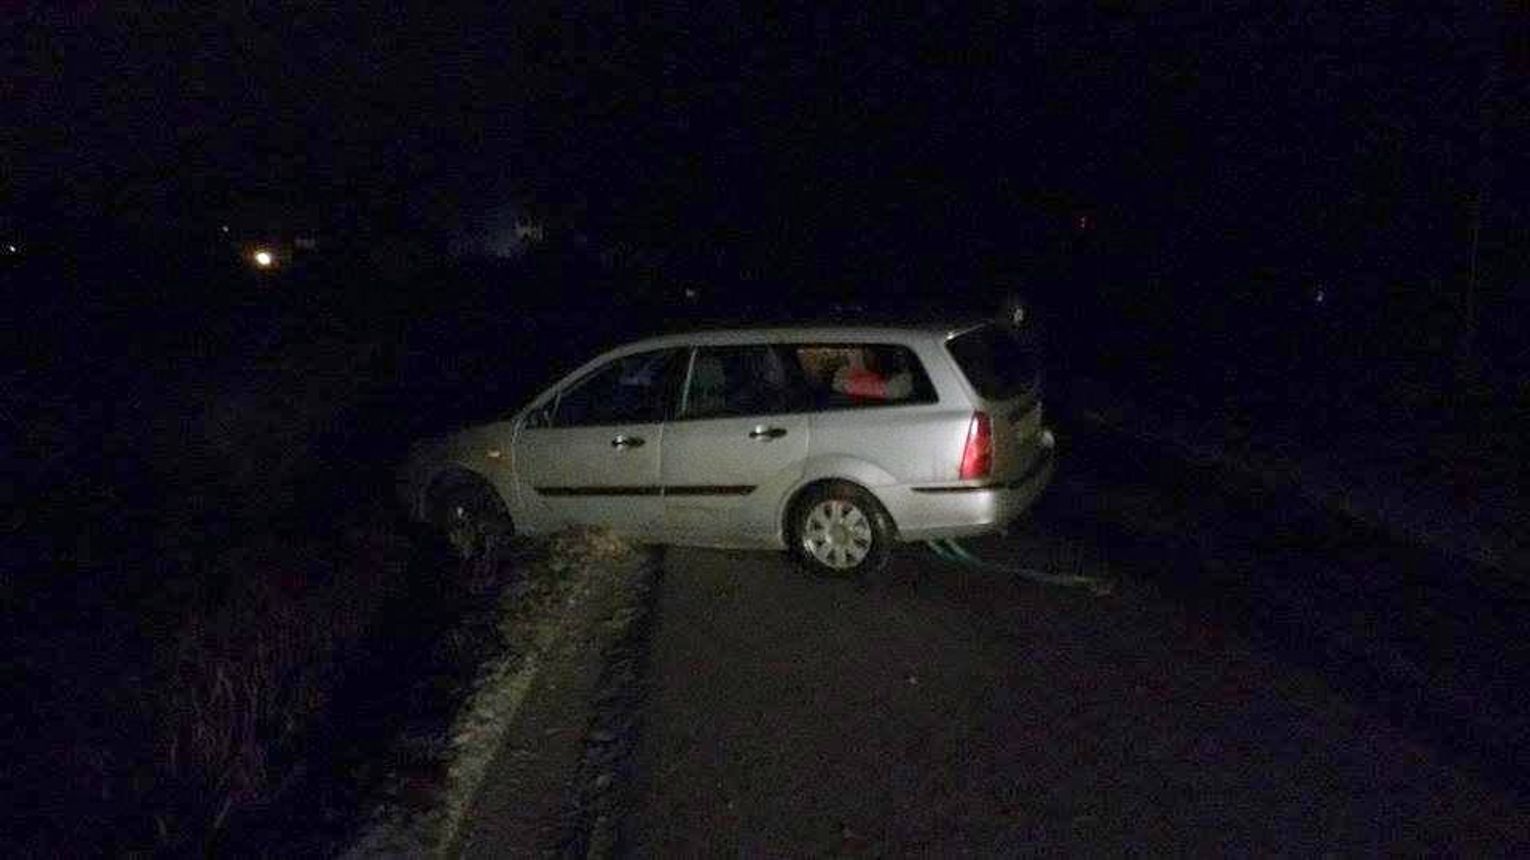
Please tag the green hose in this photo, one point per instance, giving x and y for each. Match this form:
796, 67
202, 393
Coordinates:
949, 550
938, 547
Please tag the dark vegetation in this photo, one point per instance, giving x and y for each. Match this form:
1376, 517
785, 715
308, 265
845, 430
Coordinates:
207, 584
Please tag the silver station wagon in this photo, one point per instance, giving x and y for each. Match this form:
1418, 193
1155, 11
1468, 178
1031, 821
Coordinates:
830, 442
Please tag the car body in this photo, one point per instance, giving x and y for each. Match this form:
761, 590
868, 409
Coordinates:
716, 437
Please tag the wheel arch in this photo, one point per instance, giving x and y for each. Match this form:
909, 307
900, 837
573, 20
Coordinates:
794, 500
450, 476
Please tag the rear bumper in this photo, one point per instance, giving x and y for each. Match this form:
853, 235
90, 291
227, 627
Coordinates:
930, 512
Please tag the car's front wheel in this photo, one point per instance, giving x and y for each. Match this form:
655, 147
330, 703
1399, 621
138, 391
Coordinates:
841, 530
470, 515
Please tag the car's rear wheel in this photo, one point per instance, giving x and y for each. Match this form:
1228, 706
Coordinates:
470, 515
840, 530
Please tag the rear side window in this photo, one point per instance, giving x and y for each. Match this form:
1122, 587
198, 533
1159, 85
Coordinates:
995, 360
842, 376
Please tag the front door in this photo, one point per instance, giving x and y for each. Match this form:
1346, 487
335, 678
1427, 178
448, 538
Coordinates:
736, 445
593, 458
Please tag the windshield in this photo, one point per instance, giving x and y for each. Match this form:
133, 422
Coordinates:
997, 360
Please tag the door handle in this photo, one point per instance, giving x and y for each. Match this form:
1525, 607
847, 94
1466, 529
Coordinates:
767, 433
627, 442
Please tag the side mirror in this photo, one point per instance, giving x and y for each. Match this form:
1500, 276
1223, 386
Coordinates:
538, 418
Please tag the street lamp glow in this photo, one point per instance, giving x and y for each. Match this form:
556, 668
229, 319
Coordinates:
264, 259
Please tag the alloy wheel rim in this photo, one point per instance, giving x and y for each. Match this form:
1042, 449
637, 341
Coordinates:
837, 534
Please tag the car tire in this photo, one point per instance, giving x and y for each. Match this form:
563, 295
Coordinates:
839, 530
470, 515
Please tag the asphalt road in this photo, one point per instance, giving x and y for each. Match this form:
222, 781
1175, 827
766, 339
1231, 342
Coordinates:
940, 709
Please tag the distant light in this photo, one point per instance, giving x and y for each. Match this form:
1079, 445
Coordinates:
12, 249
264, 259
224, 228
1320, 296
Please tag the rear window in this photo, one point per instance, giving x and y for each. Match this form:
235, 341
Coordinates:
995, 359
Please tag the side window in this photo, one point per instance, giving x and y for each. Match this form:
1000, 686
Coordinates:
744, 380
852, 375
634, 389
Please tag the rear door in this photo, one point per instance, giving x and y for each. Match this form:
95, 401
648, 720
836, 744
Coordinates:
593, 457
736, 445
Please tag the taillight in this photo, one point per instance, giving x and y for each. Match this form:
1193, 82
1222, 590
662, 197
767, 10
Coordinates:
977, 455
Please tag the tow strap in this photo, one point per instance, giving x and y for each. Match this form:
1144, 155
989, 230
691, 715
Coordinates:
952, 551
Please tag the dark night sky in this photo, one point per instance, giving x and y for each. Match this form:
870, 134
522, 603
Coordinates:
1293, 134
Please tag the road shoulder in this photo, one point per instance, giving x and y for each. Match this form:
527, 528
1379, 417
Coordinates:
518, 765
